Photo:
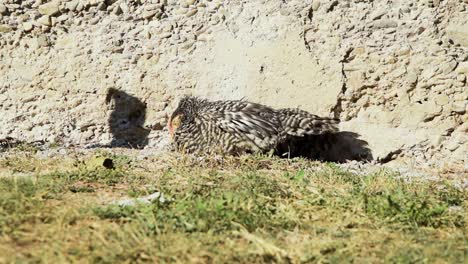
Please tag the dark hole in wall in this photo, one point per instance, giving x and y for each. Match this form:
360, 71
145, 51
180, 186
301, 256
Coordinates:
338, 147
126, 120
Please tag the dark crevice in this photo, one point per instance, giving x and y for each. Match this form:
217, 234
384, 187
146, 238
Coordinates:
332, 6
305, 42
338, 108
307, 21
310, 14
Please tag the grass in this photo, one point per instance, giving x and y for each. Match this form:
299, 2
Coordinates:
221, 210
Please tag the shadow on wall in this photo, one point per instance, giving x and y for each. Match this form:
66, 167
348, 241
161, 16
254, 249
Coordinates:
126, 120
339, 147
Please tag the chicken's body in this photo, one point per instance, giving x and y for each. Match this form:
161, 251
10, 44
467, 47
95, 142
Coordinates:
233, 127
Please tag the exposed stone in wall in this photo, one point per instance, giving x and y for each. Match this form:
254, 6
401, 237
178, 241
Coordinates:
393, 71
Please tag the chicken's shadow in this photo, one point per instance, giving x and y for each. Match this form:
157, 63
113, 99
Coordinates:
126, 120
339, 147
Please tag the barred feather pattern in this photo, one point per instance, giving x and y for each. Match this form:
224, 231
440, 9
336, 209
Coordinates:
237, 126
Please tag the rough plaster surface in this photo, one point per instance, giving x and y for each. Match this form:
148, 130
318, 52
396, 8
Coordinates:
83, 71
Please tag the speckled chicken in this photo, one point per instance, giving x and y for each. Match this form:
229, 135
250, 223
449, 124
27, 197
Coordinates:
235, 127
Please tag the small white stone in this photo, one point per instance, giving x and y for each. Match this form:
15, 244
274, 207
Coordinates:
28, 26
378, 14
72, 5
191, 13
3, 9
459, 107
45, 20
150, 13
80, 7
442, 99
94, 21
5, 28
62, 18
117, 10
385, 23
165, 35
181, 11
50, 8
452, 145
124, 7
461, 78
315, 5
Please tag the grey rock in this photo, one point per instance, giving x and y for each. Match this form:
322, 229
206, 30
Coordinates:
191, 12
442, 99
385, 23
459, 107
72, 5
449, 66
461, 78
80, 7
124, 7
53, 21
3, 9
93, 2
28, 26
94, 21
102, 6
117, 10
150, 13
5, 28
153, 7
62, 18
45, 20
50, 8
165, 35
315, 5
452, 145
